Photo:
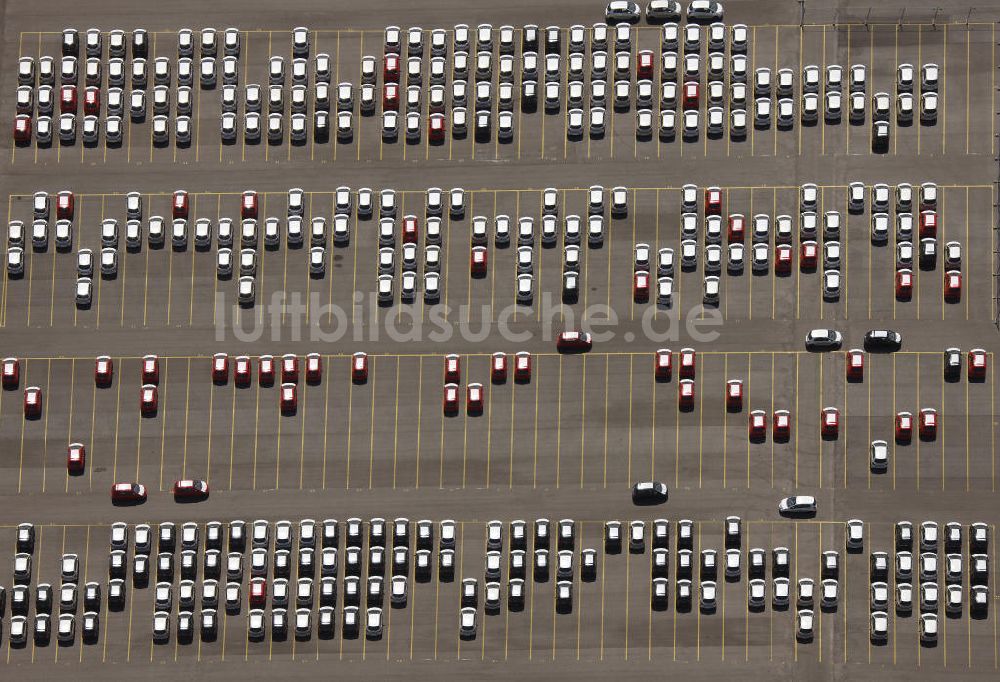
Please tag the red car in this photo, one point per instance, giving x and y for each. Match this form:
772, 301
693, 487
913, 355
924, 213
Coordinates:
451, 399
180, 204
92, 101
830, 422
148, 400
734, 395
757, 426
498, 368
573, 341
248, 205
783, 259
390, 68
644, 64
265, 370
904, 284
289, 398
150, 369
807, 256
104, 369
258, 592
410, 229
22, 128
640, 286
32, 402
64, 205
452, 369
12, 373
67, 99
242, 371
314, 368
474, 399
220, 368
713, 201
76, 458
435, 128
855, 365
191, 489
477, 261
390, 97
128, 492
928, 224
359, 368
904, 427
977, 365
685, 394
953, 286
737, 228
928, 423
522, 367
289, 368
689, 95
688, 363
781, 426
663, 364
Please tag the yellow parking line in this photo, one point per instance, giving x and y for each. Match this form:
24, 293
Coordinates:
256, 435
944, 92
361, 58
232, 453
395, 427
796, 421
371, 434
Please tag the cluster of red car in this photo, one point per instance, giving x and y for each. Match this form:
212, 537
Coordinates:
474, 391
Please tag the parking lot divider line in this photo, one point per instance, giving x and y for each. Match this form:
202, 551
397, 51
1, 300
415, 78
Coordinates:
361, 56
630, 382
772, 416
652, 428
510, 463
822, 123
489, 435
534, 475
993, 434
919, 403
749, 387
441, 455
256, 436
395, 426
698, 609
45, 431
944, 93
302, 436
795, 545
799, 126
993, 563
69, 425
371, 434
628, 559
725, 425
796, 424
968, 85
822, 405
968, 267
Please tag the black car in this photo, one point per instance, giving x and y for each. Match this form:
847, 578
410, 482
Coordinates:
952, 364
483, 126
649, 492
883, 340
529, 38
529, 96
880, 137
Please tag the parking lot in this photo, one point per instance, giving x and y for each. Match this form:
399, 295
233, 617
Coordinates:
612, 619
566, 428
733, 245
181, 286
965, 107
